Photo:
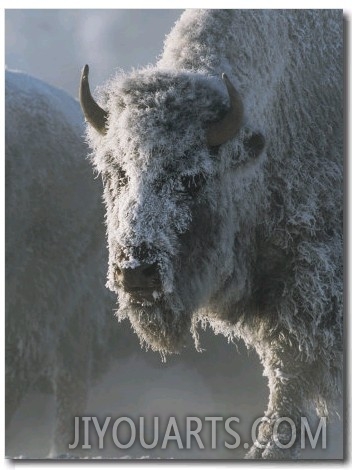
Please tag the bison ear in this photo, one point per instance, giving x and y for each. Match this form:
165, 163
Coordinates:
220, 132
94, 114
254, 144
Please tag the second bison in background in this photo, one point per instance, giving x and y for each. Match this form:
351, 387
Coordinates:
59, 324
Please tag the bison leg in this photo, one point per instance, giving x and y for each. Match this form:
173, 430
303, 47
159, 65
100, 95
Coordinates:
279, 432
13, 397
71, 399
18, 378
70, 383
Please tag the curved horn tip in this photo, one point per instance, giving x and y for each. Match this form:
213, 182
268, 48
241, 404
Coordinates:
220, 132
85, 72
93, 113
226, 80
228, 83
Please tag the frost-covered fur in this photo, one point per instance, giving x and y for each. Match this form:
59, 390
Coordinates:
57, 309
253, 246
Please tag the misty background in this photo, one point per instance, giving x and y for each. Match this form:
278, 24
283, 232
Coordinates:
226, 379
54, 45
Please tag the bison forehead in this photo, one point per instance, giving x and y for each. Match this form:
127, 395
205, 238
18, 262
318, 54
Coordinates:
159, 118
167, 101
157, 124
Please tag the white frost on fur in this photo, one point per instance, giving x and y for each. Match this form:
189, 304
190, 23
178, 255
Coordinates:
283, 376
257, 252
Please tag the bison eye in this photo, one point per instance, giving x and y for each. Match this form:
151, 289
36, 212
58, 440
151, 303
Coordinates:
193, 183
121, 176
254, 144
109, 180
115, 172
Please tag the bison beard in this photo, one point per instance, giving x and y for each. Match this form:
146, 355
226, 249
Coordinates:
161, 327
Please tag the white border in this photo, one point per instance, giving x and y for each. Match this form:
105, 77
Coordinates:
172, 4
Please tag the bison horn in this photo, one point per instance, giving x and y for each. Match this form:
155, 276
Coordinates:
220, 132
93, 113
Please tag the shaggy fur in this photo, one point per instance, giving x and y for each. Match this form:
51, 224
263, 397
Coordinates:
248, 242
57, 309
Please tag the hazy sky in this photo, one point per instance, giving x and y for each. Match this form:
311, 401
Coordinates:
55, 44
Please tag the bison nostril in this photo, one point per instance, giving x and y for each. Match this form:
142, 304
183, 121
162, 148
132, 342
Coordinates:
141, 277
150, 271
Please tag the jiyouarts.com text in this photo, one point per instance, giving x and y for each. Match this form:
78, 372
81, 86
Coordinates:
189, 433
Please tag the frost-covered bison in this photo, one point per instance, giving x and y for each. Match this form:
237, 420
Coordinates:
57, 310
224, 197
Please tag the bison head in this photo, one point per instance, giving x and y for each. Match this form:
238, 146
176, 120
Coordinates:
178, 169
